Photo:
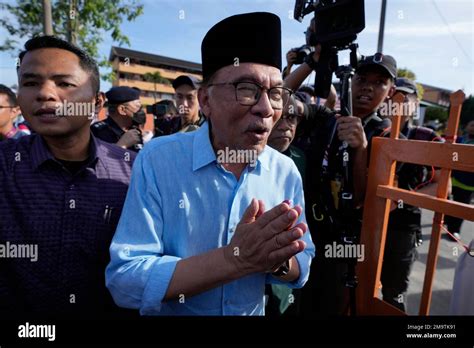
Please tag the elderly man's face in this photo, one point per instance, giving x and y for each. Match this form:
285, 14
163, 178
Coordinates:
285, 129
234, 125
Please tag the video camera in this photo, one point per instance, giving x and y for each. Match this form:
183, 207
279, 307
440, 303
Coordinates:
301, 53
158, 110
337, 21
164, 125
336, 25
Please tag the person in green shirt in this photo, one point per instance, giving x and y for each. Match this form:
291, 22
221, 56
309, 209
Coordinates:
282, 299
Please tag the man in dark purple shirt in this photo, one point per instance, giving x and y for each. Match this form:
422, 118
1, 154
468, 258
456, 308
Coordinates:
61, 190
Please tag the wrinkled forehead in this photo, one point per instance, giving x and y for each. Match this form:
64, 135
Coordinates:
264, 75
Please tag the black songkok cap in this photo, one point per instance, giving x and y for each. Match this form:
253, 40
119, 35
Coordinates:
244, 38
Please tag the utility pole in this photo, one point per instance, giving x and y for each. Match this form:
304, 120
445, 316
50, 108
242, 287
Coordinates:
382, 26
47, 21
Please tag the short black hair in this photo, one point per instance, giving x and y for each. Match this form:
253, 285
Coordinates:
10, 94
85, 60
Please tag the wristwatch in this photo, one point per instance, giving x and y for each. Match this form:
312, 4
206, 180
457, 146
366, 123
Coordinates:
282, 270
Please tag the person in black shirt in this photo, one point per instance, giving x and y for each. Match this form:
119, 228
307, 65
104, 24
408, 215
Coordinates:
372, 84
122, 126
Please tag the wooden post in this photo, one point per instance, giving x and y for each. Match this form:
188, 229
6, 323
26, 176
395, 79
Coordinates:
456, 99
380, 191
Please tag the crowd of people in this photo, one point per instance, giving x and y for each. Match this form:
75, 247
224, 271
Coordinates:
128, 221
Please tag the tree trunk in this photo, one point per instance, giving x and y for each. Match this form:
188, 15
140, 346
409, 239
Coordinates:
47, 22
72, 22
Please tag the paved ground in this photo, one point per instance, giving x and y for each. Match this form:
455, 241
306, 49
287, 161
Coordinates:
444, 275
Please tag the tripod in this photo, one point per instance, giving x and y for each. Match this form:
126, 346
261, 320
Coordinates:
345, 210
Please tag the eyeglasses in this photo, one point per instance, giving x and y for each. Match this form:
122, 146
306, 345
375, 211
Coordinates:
292, 118
249, 93
7, 107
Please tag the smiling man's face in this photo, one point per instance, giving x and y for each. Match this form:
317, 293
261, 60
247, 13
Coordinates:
234, 125
48, 77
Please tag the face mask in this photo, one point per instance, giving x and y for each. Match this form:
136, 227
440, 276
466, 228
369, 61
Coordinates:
139, 117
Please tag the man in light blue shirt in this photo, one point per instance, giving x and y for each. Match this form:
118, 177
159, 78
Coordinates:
194, 237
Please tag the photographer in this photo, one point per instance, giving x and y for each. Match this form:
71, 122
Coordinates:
122, 126
372, 84
306, 56
166, 120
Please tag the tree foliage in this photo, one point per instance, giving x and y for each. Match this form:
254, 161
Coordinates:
83, 22
155, 77
436, 113
404, 72
467, 111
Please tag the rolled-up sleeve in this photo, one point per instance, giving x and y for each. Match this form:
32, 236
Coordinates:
139, 273
305, 257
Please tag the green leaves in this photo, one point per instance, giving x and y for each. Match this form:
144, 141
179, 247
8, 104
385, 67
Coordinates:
155, 77
84, 21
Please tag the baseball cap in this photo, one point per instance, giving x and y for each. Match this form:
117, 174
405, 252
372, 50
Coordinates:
186, 80
385, 61
406, 85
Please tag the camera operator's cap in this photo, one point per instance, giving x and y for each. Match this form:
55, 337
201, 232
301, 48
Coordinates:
385, 61
406, 85
186, 80
244, 38
122, 94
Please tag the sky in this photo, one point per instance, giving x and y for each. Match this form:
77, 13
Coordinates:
433, 38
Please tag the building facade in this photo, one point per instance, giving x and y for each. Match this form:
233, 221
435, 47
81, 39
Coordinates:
131, 66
